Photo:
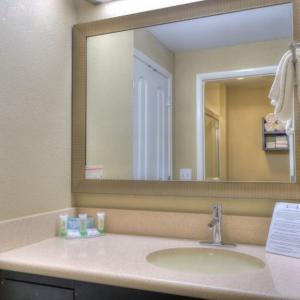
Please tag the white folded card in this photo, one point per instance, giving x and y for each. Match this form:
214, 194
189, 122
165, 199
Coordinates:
284, 233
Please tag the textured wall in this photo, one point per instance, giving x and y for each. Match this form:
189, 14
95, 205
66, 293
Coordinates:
35, 105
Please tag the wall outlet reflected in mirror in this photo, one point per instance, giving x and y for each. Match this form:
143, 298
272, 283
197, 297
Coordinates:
185, 174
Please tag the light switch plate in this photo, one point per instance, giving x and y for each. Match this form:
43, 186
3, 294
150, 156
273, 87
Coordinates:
185, 174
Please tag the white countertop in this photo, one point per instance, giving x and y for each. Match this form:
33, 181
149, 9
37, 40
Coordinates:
121, 260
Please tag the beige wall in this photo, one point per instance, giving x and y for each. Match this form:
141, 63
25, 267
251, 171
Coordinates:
247, 161
244, 207
35, 106
213, 96
147, 43
109, 103
188, 65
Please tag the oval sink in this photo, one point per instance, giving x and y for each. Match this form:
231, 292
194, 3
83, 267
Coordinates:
204, 260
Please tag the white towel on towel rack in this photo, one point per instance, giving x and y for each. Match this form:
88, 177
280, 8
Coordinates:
282, 90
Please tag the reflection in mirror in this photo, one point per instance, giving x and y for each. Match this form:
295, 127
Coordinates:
241, 106
212, 146
189, 100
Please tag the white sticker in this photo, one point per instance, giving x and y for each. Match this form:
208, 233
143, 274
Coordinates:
185, 174
94, 172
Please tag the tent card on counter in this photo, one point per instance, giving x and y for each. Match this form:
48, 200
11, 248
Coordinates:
284, 233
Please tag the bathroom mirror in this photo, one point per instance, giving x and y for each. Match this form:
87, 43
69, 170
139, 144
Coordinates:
187, 100
178, 97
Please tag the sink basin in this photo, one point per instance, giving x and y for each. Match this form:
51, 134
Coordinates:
204, 260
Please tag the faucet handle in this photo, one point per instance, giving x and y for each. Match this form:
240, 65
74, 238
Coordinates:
216, 225
212, 223
216, 216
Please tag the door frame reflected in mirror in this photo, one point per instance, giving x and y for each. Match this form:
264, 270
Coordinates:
216, 145
202, 78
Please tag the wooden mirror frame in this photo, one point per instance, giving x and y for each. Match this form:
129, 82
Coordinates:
247, 190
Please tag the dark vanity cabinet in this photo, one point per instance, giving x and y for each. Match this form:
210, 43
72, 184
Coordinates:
20, 286
18, 290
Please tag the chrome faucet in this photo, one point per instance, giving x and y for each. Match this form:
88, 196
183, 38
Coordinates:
216, 226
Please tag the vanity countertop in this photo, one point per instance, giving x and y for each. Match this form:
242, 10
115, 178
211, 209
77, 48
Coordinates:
121, 260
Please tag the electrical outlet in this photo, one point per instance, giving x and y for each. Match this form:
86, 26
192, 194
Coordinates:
185, 174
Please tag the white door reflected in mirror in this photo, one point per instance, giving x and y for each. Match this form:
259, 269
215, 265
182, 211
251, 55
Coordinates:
152, 109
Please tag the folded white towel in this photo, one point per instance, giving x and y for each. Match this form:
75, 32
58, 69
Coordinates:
271, 145
282, 90
271, 118
280, 126
270, 127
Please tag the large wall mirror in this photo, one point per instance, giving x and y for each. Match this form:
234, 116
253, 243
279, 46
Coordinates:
185, 100
189, 100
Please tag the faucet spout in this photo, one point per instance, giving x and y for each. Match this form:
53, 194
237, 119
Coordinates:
216, 226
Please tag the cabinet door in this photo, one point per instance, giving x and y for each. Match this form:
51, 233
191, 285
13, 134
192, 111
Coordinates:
17, 290
90, 291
